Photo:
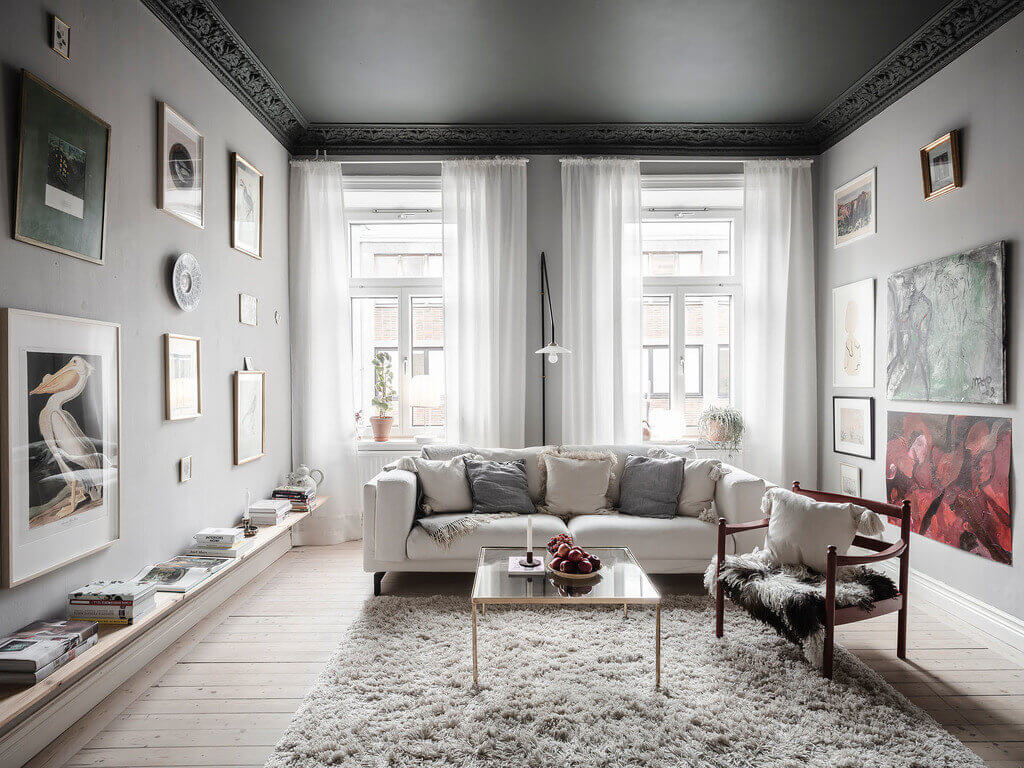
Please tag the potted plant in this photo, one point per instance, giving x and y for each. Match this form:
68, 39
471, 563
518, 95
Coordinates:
722, 425
383, 395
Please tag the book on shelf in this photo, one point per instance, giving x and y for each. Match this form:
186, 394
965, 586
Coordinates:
181, 573
112, 602
268, 506
115, 591
233, 552
218, 537
43, 644
33, 677
293, 493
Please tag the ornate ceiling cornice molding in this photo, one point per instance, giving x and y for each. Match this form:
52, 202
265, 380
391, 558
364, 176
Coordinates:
201, 26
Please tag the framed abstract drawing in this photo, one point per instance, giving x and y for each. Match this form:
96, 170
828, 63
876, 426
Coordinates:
849, 479
60, 36
246, 207
61, 422
63, 158
853, 209
853, 426
182, 171
184, 386
940, 165
248, 309
853, 334
250, 432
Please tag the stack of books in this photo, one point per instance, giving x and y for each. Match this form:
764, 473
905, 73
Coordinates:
112, 602
40, 649
182, 573
269, 511
299, 497
219, 542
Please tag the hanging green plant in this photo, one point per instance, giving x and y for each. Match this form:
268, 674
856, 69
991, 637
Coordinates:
723, 426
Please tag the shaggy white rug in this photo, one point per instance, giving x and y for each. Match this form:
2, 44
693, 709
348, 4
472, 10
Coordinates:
574, 688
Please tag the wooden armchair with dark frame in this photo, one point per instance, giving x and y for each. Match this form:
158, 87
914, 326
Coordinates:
836, 616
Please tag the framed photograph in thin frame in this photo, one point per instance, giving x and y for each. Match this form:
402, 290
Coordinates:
60, 420
853, 426
246, 207
60, 36
940, 165
250, 422
853, 334
183, 389
853, 209
248, 309
185, 469
849, 479
182, 171
63, 169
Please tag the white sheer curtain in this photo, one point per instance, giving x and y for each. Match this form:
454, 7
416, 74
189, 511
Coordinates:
602, 295
323, 428
484, 212
779, 358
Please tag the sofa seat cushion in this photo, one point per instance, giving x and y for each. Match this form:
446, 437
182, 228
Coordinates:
500, 532
648, 538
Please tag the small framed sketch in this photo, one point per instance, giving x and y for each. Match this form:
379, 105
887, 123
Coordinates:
60, 37
61, 426
185, 469
849, 479
853, 334
181, 177
250, 430
940, 165
853, 426
853, 209
246, 207
248, 309
184, 398
63, 159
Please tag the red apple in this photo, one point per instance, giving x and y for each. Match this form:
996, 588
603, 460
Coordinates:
575, 554
563, 550
555, 562
585, 566
567, 566
595, 561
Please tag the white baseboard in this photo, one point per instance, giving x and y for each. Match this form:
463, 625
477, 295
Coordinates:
978, 614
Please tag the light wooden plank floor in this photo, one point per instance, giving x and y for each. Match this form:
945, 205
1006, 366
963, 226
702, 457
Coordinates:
217, 697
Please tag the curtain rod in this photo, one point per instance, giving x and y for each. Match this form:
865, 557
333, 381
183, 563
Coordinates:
392, 161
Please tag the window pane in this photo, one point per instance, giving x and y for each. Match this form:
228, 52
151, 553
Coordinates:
427, 394
374, 329
694, 369
724, 370
687, 248
708, 358
396, 249
656, 370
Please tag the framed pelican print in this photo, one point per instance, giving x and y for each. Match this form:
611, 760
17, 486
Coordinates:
61, 422
184, 390
250, 415
246, 207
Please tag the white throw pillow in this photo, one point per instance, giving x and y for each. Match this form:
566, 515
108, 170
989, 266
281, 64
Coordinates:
576, 486
801, 529
700, 478
444, 483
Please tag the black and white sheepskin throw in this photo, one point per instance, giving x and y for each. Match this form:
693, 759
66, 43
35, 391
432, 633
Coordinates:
791, 599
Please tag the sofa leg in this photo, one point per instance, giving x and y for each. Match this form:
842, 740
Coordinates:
378, 577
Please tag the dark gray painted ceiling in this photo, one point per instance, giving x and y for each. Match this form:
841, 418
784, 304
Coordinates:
570, 61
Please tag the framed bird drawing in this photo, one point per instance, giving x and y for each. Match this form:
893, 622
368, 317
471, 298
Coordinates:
61, 421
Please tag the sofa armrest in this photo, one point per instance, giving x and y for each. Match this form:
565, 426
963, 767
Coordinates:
738, 499
389, 510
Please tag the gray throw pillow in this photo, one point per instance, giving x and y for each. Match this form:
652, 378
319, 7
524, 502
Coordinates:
498, 486
650, 486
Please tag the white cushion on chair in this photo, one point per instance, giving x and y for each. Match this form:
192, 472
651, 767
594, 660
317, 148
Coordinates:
801, 529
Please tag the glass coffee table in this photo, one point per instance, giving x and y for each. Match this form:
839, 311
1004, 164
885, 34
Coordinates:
621, 581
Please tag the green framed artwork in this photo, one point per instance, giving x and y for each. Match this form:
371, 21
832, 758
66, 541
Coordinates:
63, 159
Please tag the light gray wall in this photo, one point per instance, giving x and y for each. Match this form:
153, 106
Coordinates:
123, 62
981, 94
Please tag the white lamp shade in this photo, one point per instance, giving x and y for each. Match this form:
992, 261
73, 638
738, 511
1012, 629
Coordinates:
552, 350
425, 391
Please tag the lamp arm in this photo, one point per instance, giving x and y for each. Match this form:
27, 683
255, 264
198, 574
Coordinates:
545, 288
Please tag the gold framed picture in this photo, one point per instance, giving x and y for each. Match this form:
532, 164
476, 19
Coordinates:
184, 390
60, 36
940, 165
250, 426
246, 207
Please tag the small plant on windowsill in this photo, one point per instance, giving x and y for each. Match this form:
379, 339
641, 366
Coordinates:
723, 426
383, 396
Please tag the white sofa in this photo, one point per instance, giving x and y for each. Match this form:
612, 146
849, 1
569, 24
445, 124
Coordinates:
392, 541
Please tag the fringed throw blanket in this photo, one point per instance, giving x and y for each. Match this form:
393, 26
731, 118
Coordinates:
448, 530
791, 599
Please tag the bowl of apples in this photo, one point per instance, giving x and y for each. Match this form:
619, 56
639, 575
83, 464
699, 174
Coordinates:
569, 561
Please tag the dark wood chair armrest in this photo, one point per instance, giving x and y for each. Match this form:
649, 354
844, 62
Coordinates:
894, 550
740, 527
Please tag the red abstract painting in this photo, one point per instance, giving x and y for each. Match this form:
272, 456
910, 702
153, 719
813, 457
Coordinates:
956, 472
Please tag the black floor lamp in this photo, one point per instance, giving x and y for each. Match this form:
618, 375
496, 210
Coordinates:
549, 351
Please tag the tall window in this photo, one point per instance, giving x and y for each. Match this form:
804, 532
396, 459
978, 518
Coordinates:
692, 235
395, 280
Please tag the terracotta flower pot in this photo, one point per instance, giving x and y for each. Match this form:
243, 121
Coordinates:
381, 426
716, 433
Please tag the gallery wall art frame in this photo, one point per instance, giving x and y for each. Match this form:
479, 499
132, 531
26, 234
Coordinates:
250, 397
854, 209
246, 212
940, 165
853, 426
77, 362
248, 309
63, 173
179, 404
181, 159
60, 36
853, 334
849, 479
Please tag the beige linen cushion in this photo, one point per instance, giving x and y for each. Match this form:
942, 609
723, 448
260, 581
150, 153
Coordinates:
700, 478
801, 529
444, 484
575, 482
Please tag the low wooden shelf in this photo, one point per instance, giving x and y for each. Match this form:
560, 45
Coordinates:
18, 703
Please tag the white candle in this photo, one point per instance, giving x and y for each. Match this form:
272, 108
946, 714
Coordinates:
529, 533
248, 503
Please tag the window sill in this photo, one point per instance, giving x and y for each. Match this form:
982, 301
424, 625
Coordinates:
394, 444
